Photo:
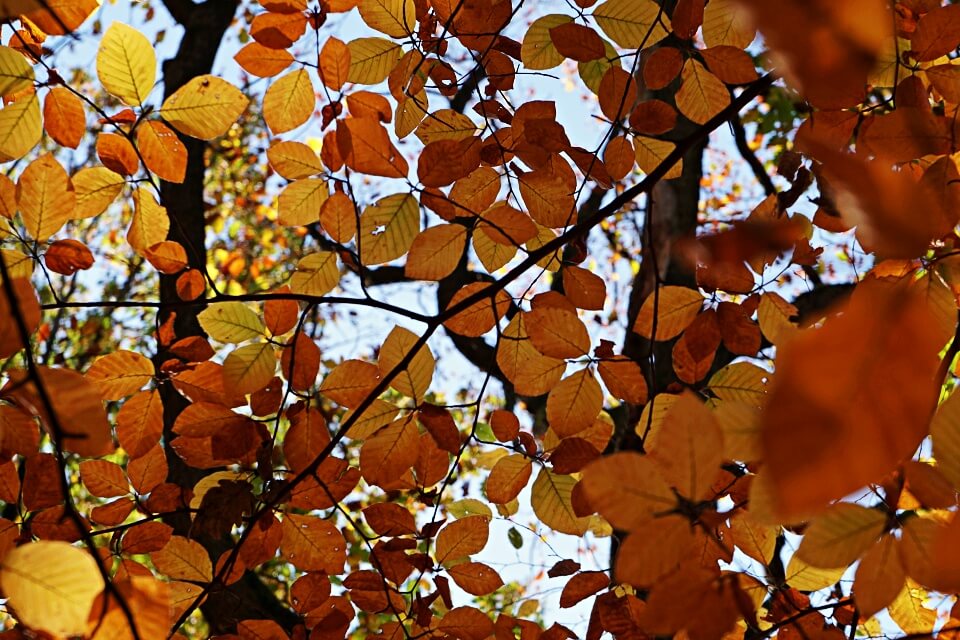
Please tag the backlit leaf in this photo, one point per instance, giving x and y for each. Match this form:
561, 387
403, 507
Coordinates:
672, 310
854, 419
841, 535
120, 374
414, 379
626, 489
632, 24
205, 107
289, 101
551, 500
126, 64
52, 586
462, 538
231, 322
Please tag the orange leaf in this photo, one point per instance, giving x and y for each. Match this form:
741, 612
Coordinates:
936, 33
350, 382
63, 117
66, 257
388, 519
671, 310
466, 623
476, 578
389, 454
103, 478
263, 61
626, 489
618, 93
624, 379
183, 559
313, 544
508, 478
557, 332
583, 585
462, 538
334, 63
162, 151
815, 425
574, 403
577, 42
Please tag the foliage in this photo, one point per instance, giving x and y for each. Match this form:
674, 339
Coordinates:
259, 326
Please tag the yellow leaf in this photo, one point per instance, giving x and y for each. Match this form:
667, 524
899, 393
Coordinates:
231, 322
396, 18
45, 197
16, 74
289, 101
493, 255
626, 489
150, 222
445, 124
774, 316
250, 368
551, 261
183, 559
435, 252
372, 59
299, 202
378, 415
742, 382
651, 153
126, 64
632, 24
96, 188
52, 586
20, 127
702, 95
387, 228
740, 424
205, 107
531, 372
880, 577
840, 535
804, 577
410, 112
120, 374
415, 378
674, 307
293, 160
574, 403
538, 51
725, 22
908, 612
550, 498
317, 274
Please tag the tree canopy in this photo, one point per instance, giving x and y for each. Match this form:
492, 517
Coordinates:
319, 317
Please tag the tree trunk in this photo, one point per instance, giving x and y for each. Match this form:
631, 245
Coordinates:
204, 27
